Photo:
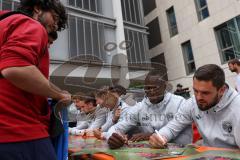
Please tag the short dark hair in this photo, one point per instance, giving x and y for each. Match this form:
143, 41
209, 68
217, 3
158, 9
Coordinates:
86, 97
101, 92
211, 72
53, 35
27, 7
120, 90
234, 61
162, 74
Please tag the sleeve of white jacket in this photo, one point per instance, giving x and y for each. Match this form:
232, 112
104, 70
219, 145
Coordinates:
130, 120
236, 131
181, 120
238, 83
100, 119
109, 123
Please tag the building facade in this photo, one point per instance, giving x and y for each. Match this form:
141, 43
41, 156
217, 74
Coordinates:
105, 43
192, 33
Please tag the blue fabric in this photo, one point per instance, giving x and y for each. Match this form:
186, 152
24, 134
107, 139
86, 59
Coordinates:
60, 143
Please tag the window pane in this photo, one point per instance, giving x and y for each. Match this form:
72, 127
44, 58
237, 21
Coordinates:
202, 3
141, 43
188, 57
102, 41
225, 38
132, 11
72, 2
88, 37
154, 36
126, 32
16, 5
79, 3
96, 39
205, 13
6, 5
86, 4
128, 14
149, 5
93, 5
191, 67
172, 22
72, 37
138, 14
81, 40
137, 50
228, 54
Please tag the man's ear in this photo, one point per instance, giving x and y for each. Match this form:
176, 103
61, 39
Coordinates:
36, 12
222, 90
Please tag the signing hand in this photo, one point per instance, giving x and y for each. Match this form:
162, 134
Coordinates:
97, 133
116, 115
140, 137
156, 142
116, 141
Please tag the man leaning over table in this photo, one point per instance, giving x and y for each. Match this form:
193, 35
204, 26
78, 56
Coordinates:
154, 112
24, 72
214, 108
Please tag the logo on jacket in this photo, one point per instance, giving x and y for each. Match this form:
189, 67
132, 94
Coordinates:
227, 126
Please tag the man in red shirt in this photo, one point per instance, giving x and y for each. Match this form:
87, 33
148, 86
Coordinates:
24, 84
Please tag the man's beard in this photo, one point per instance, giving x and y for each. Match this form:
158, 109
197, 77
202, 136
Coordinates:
212, 104
233, 70
156, 99
41, 19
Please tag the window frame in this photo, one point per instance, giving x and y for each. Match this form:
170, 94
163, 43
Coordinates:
188, 62
173, 28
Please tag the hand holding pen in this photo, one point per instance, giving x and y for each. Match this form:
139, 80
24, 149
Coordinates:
157, 140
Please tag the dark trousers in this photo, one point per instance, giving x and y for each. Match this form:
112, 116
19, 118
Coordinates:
40, 149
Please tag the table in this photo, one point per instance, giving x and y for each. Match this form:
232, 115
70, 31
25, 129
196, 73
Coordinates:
92, 148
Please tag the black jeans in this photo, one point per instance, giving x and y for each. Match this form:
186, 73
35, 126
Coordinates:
40, 149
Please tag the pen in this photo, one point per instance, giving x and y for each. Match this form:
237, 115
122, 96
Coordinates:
160, 136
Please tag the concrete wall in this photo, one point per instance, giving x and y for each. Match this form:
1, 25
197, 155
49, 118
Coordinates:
201, 34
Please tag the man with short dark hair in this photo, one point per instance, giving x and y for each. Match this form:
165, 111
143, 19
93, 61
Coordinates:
234, 66
214, 108
24, 72
152, 113
90, 115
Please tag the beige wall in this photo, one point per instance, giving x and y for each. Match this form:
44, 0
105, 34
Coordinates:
201, 34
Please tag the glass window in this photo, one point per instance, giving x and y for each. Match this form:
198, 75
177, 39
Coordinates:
154, 36
188, 57
228, 37
137, 51
6, 5
202, 9
89, 5
73, 37
149, 5
131, 10
172, 23
87, 39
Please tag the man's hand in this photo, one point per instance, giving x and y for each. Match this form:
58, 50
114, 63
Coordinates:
98, 133
116, 141
117, 115
140, 137
156, 142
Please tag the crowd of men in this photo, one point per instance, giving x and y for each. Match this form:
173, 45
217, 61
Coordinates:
213, 108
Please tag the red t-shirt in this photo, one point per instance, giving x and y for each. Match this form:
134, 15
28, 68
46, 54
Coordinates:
23, 116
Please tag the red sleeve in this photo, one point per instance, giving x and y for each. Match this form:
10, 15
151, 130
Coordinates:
26, 43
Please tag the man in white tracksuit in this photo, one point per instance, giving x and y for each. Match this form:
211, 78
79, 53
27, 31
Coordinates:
90, 116
214, 108
117, 109
154, 112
